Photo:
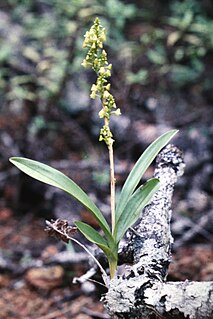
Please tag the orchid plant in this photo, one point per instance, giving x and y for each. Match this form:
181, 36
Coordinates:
132, 198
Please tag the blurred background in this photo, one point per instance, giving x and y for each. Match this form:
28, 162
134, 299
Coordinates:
161, 53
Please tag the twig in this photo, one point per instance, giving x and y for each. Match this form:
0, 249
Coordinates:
195, 229
57, 313
104, 274
90, 273
94, 314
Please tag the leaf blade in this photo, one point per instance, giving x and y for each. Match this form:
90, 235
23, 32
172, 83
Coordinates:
136, 203
53, 177
92, 235
140, 167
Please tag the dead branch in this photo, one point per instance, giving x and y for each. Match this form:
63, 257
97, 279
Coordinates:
198, 228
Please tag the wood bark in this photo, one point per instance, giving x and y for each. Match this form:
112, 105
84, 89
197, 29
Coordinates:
141, 290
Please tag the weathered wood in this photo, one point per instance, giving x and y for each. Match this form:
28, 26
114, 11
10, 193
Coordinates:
141, 291
143, 298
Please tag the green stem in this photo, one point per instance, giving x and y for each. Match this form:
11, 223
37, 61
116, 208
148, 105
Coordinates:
112, 186
113, 268
112, 180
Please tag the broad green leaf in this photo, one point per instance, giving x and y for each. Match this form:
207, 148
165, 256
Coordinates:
53, 177
138, 170
92, 235
134, 206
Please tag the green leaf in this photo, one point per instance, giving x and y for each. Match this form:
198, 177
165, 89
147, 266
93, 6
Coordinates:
138, 170
53, 177
92, 235
134, 206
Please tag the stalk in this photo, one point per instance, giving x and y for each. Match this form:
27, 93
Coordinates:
112, 268
112, 187
112, 180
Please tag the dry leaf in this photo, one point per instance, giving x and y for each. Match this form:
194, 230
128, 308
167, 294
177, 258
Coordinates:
60, 229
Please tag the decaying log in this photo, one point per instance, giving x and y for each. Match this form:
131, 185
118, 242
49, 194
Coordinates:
141, 291
143, 298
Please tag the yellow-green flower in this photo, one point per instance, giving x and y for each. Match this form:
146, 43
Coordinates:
96, 58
